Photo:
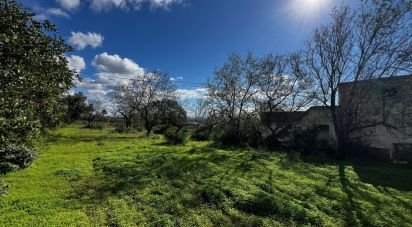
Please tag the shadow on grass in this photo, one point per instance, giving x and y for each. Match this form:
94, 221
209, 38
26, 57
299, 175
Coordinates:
190, 170
113, 176
374, 175
159, 179
386, 175
378, 174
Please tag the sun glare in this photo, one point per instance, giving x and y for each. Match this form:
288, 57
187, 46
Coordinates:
308, 10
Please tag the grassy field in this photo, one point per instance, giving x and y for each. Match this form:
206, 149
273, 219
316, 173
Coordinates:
89, 177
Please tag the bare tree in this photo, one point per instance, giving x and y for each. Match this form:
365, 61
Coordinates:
230, 92
122, 103
283, 87
95, 109
143, 91
200, 111
368, 44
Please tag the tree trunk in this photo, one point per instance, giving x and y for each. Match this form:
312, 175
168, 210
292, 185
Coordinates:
148, 129
128, 122
89, 121
340, 138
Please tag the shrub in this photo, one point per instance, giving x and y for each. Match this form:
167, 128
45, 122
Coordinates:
121, 128
202, 133
305, 141
160, 129
245, 136
272, 142
96, 125
227, 136
175, 136
13, 157
253, 137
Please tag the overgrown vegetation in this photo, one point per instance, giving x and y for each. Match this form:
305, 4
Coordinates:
34, 77
102, 176
94, 177
175, 136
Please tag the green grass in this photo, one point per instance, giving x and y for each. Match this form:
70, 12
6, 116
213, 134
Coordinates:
89, 177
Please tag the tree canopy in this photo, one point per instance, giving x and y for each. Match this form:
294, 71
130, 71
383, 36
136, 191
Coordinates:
34, 77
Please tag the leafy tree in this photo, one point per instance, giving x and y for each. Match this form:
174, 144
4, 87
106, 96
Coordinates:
169, 112
76, 106
34, 77
94, 111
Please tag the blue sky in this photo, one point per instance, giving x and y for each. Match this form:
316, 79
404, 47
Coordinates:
117, 39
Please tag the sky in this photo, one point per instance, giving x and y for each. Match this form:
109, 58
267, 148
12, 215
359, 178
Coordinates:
115, 40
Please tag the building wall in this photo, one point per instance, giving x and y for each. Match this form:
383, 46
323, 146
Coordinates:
320, 116
384, 104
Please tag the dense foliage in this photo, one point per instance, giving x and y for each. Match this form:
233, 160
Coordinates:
175, 136
34, 77
14, 157
170, 113
76, 107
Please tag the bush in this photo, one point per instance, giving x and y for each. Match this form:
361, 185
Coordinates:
245, 136
13, 157
121, 128
96, 125
272, 142
174, 136
160, 129
227, 136
202, 133
305, 141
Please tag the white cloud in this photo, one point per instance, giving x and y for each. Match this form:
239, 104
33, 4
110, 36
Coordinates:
76, 63
192, 93
115, 70
115, 64
43, 14
57, 12
93, 88
112, 70
164, 3
176, 78
106, 5
69, 4
81, 40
